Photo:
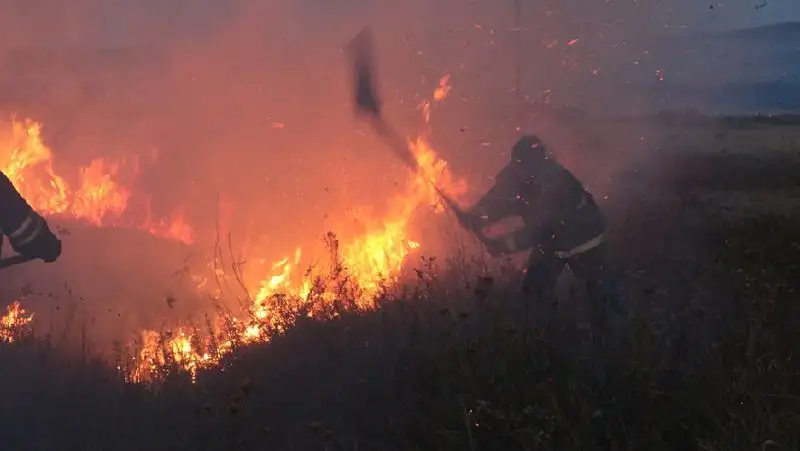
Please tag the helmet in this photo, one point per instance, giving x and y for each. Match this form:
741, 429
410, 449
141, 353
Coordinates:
529, 150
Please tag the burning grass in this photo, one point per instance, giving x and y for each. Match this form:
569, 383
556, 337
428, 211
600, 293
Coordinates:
373, 255
440, 365
97, 198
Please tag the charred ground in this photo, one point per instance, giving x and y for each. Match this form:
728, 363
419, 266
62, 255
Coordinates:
709, 254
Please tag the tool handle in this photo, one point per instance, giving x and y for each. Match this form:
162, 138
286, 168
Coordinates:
394, 141
15, 260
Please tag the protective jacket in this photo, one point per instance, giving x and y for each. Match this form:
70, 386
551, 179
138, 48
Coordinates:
559, 215
27, 232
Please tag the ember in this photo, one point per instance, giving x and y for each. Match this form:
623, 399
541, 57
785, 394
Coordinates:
15, 324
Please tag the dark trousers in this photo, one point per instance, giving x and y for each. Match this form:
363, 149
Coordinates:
607, 311
592, 268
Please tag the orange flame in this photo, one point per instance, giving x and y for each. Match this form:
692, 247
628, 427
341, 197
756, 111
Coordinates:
98, 198
378, 254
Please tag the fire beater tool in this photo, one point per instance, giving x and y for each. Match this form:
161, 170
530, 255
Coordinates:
368, 105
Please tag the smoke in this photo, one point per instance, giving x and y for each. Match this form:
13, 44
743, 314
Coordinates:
247, 101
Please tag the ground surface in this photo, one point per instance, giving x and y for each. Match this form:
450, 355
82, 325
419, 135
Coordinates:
708, 251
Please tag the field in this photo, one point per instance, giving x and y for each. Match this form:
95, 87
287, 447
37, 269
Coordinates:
708, 255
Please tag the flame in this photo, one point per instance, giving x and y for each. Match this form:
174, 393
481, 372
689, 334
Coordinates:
97, 198
370, 259
15, 323
377, 255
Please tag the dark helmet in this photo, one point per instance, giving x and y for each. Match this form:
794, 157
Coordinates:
529, 150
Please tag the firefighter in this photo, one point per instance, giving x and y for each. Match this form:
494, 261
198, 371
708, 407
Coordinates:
562, 225
27, 232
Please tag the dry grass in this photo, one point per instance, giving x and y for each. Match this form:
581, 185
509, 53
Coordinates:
464, 363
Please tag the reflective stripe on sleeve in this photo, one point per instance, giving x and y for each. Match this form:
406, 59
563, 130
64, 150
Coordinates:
26, 224
30, 228
587, 246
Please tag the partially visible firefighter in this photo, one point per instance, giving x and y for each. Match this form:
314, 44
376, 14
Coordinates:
562, 226
27, 232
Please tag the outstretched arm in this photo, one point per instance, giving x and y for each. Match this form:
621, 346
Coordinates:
27, 231
495, 205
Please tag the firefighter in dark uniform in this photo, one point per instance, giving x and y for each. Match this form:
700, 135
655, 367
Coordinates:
26, 230
562, 225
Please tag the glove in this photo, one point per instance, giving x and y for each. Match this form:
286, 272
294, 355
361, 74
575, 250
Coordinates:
33, 238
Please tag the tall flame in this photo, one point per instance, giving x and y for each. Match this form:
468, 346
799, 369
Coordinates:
378, 254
